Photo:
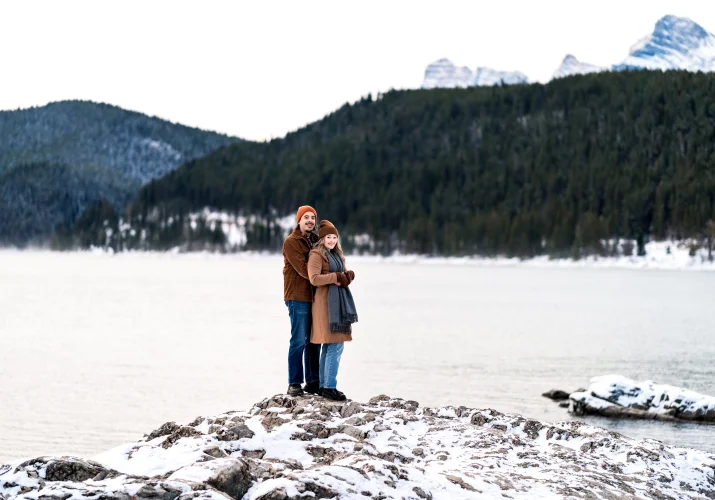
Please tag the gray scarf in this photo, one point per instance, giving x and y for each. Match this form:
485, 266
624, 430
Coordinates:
341, 308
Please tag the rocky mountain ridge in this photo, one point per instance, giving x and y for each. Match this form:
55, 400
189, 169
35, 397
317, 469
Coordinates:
675, 43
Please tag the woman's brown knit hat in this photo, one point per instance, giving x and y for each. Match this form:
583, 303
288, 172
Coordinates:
326, 228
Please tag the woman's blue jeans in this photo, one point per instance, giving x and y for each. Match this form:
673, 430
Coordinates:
329, 364
300, 348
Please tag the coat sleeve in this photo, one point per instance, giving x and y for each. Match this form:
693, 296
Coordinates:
291, 250
315, 266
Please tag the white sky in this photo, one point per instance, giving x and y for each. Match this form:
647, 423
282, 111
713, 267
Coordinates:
259, 69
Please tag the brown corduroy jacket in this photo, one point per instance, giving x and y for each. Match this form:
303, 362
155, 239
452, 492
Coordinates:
296, 283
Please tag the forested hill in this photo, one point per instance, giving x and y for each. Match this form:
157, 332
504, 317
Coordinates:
520, 170
58, 159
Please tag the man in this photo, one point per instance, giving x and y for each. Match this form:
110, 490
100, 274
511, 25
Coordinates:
298, 296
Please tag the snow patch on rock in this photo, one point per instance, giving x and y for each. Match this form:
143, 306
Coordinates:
610, 395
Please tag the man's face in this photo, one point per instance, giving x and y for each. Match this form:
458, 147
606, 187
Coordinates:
307, 222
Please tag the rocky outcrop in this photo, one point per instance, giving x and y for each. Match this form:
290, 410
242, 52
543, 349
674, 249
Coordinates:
556, 395
55, 478
572, 66
445, 74
618, 396
285, 448
675, 43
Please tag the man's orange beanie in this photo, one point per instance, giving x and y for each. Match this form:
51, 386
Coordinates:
302, 210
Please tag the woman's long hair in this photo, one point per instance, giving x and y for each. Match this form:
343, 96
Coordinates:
320, 245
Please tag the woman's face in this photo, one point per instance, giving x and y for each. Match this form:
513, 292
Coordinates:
330, 241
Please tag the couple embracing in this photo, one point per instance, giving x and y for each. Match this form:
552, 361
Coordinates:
321, 308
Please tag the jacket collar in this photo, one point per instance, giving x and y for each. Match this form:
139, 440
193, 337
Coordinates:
298, 234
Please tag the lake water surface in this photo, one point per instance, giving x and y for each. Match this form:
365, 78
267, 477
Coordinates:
96, 350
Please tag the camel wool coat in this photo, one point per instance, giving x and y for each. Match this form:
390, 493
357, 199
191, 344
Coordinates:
321, 277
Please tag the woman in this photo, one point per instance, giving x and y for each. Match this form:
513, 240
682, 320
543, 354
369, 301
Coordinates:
333, 307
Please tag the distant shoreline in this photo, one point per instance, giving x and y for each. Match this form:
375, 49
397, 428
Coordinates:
661, 261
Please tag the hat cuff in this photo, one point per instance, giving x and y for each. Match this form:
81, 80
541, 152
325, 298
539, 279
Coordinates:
326, 231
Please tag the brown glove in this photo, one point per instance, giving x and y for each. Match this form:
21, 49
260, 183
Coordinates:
350, 275
342, 279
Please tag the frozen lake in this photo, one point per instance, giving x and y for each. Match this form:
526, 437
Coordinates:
96, 350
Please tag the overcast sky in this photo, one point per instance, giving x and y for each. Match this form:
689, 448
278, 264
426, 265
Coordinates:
260, 69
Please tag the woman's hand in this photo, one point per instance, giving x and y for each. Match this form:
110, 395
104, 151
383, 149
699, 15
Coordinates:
350, 275
342, 279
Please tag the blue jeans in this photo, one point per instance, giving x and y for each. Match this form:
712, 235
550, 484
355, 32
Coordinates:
329, 364
300, 347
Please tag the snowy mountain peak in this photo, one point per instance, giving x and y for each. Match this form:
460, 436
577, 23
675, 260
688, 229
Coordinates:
682, 28
676, 43
572, 66
443, 73
488, 76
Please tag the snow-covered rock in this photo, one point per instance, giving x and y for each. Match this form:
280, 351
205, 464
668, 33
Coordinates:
445, 74
488, 77
618, 396
388, 448
572, 66
676, 43
67, 478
